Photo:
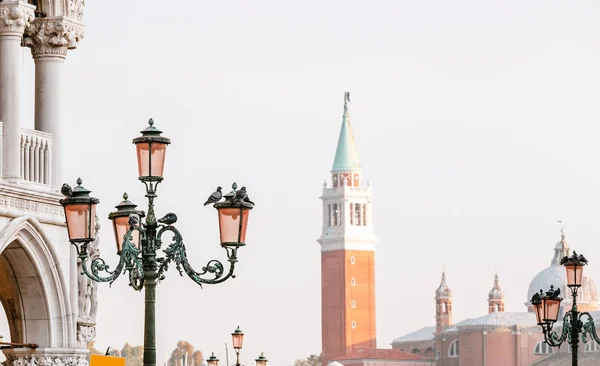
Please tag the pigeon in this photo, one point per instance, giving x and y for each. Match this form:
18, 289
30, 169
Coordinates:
214, 197
240, 195
583, 259
168, 219
134, 220
555, 293
66, 190
536, 298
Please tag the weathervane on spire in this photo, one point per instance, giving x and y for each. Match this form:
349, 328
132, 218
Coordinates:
562, 230
346, 101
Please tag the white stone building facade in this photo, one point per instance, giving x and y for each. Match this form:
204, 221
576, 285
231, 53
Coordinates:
45, 299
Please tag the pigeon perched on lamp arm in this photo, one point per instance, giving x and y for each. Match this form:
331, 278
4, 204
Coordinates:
215, 196
168, 219
134, 220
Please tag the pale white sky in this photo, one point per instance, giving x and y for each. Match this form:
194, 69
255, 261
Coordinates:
477, 123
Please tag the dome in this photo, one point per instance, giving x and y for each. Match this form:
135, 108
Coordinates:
556, 276
496, 292
443, 291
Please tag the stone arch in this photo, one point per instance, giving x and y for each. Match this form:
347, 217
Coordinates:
429, 353
35, 297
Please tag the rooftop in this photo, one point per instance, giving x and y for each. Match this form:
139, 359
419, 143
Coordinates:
380, 354
423, 334
346, 156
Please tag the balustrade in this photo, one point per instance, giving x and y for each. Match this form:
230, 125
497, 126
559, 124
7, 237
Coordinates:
36, 148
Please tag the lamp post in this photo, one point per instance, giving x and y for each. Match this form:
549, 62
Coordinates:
238, 340
138, 242
547, 305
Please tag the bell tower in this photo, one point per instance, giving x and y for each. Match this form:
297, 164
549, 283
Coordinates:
443, 305
496, 297
347, 253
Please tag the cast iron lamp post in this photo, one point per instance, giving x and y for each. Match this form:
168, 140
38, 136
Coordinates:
547, 305
238, 340
138, 242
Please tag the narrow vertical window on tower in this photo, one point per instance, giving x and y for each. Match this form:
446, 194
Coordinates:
364, 214
352, 214
335, 180
357, 214
353, 324
353, 280
353, 304
352, 260
330, 215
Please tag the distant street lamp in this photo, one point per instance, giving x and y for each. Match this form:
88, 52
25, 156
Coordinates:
238, 340
138, 242
547, 305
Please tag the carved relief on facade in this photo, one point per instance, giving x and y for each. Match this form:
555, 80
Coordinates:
88, 296
78, 360
15, 18
52, 38
30, 205
76, 8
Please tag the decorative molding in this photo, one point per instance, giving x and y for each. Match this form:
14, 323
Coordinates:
49, 37
76, 8
15, 17
31, 205
86, 332
46, 360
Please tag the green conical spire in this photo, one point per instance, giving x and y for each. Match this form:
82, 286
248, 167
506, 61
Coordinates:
346, 157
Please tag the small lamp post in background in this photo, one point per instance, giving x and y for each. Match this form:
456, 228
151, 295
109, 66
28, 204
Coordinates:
238, 341
138, 242
547, 305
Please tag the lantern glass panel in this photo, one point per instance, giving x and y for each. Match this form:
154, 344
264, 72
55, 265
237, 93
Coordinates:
261, 362
574, 274
551, 308
151, 158
539, 313
81, 220
212, 362
238, 340
229, 224
121, 226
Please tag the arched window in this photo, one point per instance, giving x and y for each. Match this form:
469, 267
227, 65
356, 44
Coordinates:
542, 348
592, 346
443, 307
429, 353
353, 281
453, 349
416, 351
352, 260
353, 303
353, 325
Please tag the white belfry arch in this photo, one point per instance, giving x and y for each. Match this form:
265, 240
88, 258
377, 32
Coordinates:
41, 289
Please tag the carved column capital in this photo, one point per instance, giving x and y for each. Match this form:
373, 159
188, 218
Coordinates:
53, 37
15, 17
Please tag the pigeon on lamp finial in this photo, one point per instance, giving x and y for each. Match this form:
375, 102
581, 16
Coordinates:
66, 190
215, 196
168, 219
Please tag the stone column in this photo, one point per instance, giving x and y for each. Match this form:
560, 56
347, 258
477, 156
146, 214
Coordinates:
15, 17
50, 39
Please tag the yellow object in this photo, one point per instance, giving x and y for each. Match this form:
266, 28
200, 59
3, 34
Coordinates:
99, 360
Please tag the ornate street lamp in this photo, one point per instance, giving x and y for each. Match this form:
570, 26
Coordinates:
212, 360
138, 242
238, 340
261, 360
547, 305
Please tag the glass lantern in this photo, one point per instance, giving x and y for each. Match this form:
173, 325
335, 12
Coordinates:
261, 360
212, 360
80, 214
151, 149
551, 306
574, 268
238, 338
538, 308
120, 219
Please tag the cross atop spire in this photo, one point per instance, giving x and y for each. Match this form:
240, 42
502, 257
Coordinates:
346, 156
